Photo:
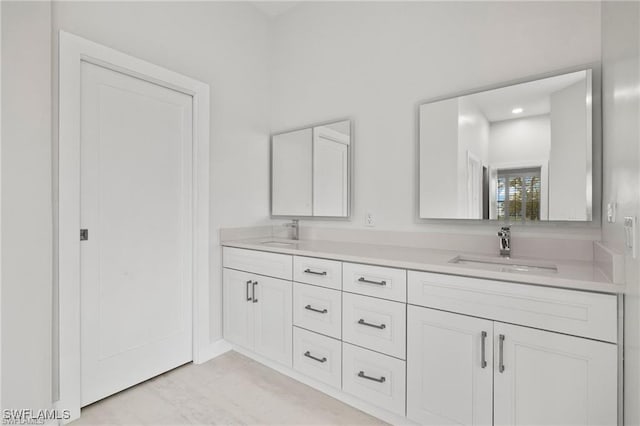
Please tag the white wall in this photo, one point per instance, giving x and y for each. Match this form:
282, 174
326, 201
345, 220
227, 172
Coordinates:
372, 61
473, 137
225, 45
377, 61
26, 205
439, 174
449, 130
519, 141
568, 155
621, 129
473, 130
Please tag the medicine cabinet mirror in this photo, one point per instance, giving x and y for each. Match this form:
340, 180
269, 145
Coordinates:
311, 171
519, 153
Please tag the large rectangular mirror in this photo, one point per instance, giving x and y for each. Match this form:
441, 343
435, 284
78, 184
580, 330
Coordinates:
310, 171
517, 153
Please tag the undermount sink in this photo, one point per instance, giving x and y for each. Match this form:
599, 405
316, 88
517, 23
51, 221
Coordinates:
278, 243
505, 264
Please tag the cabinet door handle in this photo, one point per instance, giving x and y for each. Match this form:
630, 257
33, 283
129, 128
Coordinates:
364, 280
368, 324
483, 361
255, 299
248, 285
308, 355
320, 311
501, 355
309, 271
382, 379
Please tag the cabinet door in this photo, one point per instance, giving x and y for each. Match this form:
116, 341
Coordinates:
449, 376
273, 319
544, 378
238, 307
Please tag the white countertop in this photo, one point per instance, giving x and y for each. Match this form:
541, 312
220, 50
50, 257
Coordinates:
575, 275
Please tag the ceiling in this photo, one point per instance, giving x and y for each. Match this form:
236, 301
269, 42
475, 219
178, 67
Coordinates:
274, 8
533, 97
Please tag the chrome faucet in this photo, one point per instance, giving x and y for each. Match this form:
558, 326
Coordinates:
505, 241
295, 226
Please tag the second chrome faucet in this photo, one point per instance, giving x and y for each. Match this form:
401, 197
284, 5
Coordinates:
295, 228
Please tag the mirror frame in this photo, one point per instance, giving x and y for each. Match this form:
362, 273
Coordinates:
594, 165
350, 172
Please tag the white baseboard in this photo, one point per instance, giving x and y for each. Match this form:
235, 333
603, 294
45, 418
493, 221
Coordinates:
361, 405
213, 350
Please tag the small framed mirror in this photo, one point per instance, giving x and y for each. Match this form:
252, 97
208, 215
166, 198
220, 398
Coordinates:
518, 153
311, 171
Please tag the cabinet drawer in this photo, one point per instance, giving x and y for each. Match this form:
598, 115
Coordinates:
573, 312
259, 262
322, 272
317, 309
317, 356
375, 324
374, 378
376, 281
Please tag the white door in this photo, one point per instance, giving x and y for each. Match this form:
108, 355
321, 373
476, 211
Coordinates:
136, 202
238, 307
449, 368
474, 187
544, 378
273, 319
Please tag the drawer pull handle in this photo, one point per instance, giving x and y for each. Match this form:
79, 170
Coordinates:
368, 324
248, 285
483, 361
501, 359
308, 355
382, 379
320, 311
255, 298
364, 280
309, 271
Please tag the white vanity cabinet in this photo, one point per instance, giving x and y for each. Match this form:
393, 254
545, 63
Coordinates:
238, 318
257, 312
317, 356
423, 347
317, 309
545, 378
474, 371
375, 324
449, 368
374, 377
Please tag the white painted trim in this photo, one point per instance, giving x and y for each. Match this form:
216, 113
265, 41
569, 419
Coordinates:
214, 350
74, 50
341, 396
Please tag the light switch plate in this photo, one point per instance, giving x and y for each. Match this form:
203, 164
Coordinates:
630, 235
611, 212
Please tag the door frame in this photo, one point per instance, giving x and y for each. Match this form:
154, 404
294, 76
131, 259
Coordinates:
73, 51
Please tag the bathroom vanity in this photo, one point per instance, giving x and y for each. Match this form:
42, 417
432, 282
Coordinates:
419, 336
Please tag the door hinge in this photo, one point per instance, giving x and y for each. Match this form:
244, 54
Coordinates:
84, 234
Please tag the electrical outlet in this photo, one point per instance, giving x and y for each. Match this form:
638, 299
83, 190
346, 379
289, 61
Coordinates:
630, 235
369, 219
